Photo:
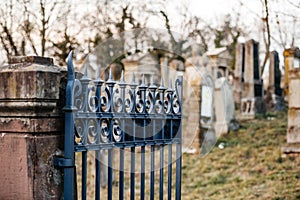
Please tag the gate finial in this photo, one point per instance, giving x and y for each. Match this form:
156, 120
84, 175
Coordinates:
122, 77
98, 73
71, 73
133, 78
162, 82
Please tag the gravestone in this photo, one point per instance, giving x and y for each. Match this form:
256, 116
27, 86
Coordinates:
252, 102
191, 106
207, 115
224, 107
274, 99
293, 129
239, 73
291, 61
143, 64
292, 82
219, 60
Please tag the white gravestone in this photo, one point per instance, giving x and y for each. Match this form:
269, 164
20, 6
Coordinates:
224, 107
206, 101
207, 132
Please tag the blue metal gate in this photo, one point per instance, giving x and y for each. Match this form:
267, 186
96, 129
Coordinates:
108, 115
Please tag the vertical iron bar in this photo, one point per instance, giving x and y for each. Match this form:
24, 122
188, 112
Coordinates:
132, 173
121, 171
110, 83
178, 171
98, 83
97, 185
152, 173
152, 158
142, 188
170, 172
142, 173
121, 176
161, 173
170, 163
84, 175
110, 175
132, 154
69, 173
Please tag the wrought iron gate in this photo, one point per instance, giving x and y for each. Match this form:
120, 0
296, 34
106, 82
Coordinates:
125, 116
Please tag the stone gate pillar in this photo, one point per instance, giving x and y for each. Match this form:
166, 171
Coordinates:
31, 128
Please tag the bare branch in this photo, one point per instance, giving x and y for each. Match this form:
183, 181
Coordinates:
268, 39
167, 24
293, 4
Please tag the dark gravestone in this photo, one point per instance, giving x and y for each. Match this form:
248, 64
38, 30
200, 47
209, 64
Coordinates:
274, 99
252, 102
239, 73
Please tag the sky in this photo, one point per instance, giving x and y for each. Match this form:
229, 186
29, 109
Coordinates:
211, 11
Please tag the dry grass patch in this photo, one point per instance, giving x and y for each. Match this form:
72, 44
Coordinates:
249, 167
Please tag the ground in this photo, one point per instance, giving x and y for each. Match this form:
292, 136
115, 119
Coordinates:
250, 166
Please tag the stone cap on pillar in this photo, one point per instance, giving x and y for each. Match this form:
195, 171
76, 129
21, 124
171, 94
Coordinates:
292, 52
32, 92
31, 59
31, 63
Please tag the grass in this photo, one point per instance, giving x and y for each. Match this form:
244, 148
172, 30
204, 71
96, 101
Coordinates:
249, 167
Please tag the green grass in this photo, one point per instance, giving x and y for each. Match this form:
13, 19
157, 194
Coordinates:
249, 167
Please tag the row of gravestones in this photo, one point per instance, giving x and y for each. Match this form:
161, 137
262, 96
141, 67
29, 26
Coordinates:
248, 84
249, 94
218, 96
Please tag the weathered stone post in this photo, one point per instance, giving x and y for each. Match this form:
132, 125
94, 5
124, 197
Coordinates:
191, 106
31, 128
293, 129
224, 107
291, 61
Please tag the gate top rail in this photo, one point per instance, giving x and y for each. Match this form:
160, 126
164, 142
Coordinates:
106, 113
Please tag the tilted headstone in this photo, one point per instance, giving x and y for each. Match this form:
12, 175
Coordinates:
252, 102
274, 99
224, 107
207, 115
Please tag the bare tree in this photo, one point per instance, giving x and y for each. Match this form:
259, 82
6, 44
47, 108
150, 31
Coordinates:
26, 25
266, 34
286, 23
7, 29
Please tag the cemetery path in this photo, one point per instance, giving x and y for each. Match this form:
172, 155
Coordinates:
250, 166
